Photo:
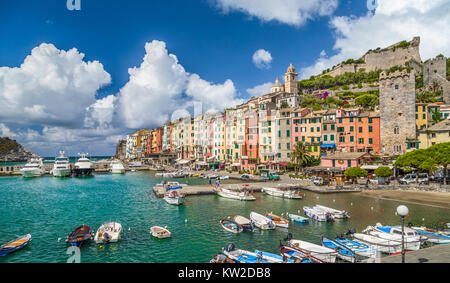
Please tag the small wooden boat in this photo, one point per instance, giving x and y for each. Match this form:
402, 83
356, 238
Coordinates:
15, 245
160, 232
220, 258
342, 251
317, 214
299, 255
434, 236
322, 253
243, 195
283, 192
298, 218
243, 256
231, 226
383, 245
244, 222
337, 214
358, 248
261, 221
80, 236
108, 233
278, 220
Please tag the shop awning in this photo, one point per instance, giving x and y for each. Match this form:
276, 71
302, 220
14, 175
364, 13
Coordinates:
329, 145
183, 161
236, 165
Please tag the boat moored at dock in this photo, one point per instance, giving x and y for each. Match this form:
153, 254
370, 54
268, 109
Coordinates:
394, 234
117, 167
34, 168
243, 256
283, 192
231, 226
382, 245
322, 253
337, 214
434, 236
61, 168
298, 218
244, 222
261, 221
278, 220
173, 197
318, 214
231, 193
83, 166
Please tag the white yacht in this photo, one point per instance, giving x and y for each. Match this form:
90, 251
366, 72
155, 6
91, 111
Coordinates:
61, 168
283, 192
117, 167
34, 168
83, 167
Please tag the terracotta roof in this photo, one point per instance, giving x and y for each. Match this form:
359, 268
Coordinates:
441, 126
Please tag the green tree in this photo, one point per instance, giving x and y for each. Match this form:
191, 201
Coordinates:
383, 171
355, 172
440, 154
300, 155
417, 160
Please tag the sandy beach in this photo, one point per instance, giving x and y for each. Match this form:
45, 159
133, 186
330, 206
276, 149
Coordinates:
437, 199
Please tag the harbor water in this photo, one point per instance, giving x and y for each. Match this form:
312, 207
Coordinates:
50, 208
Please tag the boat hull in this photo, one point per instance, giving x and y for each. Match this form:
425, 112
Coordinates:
83, 172
239, 196
61, 172
322, 253
174, 201
15, 245
262, 222
282, 194
118, 171
32, 173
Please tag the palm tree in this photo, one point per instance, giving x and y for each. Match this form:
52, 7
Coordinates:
300, 155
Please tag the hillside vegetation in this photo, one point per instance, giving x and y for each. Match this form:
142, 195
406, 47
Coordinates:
7, 144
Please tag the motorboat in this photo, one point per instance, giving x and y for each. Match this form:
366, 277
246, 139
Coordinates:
231, 226
343, 252
117, 167
382, 245
317, 214
278, 220
337, 214
80, 236
34, 168
15, 245
244, 222
169, 184
298, 255
231, 193
160, 232
261, 221
412, 240
61, 168
274, 257
224, 177
108, 233
298, 218
83, 166
243, 256
283, 192
434, 236
322, 253
173, 197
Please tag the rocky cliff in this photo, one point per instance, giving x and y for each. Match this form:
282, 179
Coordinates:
12, 151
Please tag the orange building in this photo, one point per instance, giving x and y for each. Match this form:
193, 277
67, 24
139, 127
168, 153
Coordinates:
358, 132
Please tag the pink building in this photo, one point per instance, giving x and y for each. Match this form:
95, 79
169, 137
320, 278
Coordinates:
345, 160
296, 116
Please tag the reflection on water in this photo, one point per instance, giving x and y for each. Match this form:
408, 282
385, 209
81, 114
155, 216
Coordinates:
50, 208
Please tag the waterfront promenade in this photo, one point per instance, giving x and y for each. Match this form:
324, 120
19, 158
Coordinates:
434, 254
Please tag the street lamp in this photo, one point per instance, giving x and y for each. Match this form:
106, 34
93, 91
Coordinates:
403, 211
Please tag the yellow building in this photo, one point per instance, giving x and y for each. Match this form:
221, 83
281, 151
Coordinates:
438, 133
425, 114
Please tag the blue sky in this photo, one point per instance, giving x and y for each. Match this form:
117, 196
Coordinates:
54, 98
215, 45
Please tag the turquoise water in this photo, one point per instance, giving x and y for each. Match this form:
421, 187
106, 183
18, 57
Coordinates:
50, 208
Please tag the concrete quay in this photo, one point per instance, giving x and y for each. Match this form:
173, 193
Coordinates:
434, 254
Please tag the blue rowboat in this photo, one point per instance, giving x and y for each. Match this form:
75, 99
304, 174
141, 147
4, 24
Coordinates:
433, 236
299, 254
344, 252
298, 218
231, 226
273, 257
80, 236
15, 245
359, 248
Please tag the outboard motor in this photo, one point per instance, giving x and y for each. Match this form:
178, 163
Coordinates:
409, 225
288, 238
350, 231
106, 237
230, 248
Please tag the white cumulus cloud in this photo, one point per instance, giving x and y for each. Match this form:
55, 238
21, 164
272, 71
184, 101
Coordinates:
260, 89
291, 12
262, 59
391, 22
